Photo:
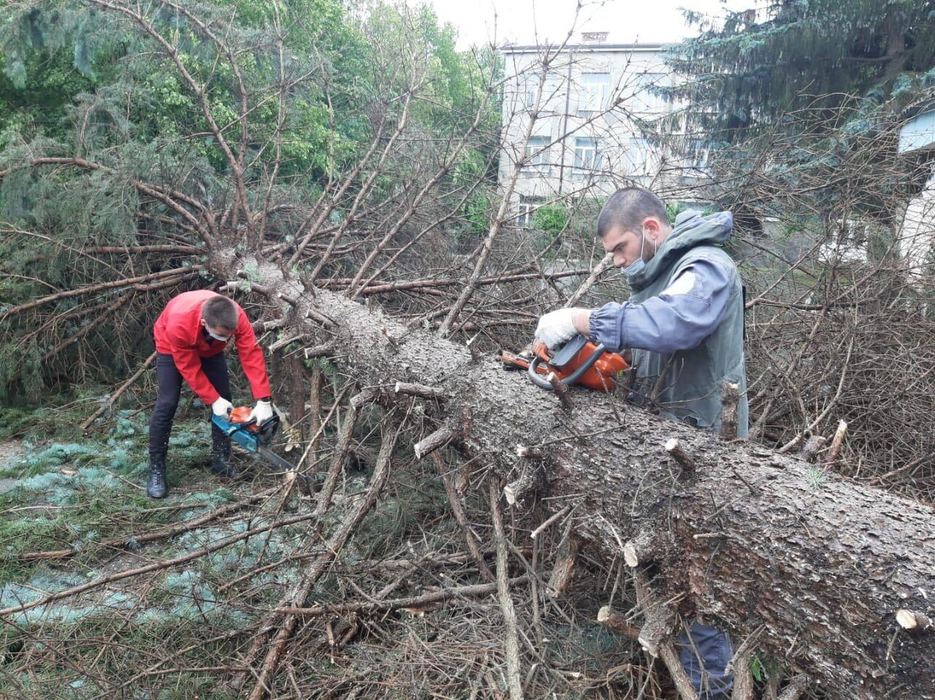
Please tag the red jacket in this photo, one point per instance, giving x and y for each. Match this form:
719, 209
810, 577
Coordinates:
178, 332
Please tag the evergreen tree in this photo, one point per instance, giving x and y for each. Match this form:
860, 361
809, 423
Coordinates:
764, 63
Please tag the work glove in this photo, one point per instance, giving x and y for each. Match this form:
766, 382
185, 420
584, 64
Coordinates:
556, 327
222, 407
262, 412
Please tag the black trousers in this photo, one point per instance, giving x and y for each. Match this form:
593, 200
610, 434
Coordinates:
169, 383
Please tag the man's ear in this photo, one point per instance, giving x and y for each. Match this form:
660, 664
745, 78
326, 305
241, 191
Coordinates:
653, 228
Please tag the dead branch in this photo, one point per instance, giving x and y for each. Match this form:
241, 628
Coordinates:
413, 603
136, 541
116, 395
457, 509
511, 641
158, 566
298, 596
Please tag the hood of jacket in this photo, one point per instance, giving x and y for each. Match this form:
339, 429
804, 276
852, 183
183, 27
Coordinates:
691, 229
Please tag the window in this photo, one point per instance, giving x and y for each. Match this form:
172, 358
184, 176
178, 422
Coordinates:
537, 154
531, 88
646, 97
698, 153
637, 156
527, 209
595, 89
587, 156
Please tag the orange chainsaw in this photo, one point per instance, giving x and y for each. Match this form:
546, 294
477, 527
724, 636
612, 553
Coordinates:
579, 361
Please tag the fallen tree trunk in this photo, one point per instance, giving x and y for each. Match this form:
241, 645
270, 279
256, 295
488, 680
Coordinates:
731, 531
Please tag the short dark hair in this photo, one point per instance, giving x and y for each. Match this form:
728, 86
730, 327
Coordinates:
627, 208
220, 312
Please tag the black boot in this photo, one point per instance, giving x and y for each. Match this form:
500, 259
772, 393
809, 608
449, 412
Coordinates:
156, 487
221, 455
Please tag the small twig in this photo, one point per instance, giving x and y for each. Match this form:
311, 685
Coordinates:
812, 447
564, 567
285, 341
343, 447
730, 398
739, 665
116, 395
560, 390
678, 453
454, 500
551, 519
913, 621
518, 488
433, 441
168, 564
511, 640
639, 549
599, 269
421, 390
134, 541
414, 603
659, 621
836, 443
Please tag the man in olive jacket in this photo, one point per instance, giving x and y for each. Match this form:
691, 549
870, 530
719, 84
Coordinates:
683, 324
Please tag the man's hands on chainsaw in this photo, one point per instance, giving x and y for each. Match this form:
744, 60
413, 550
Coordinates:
262, 412
557, 327
222, 407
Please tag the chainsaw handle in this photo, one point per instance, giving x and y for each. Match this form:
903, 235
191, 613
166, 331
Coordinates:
535, 377
543, 383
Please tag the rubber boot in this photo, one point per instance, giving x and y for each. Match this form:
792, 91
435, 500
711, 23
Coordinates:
221, 455
157, 487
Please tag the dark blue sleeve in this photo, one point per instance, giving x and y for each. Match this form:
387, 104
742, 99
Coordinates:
666, 322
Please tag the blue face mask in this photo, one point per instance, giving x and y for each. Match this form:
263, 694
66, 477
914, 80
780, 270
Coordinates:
638, 265
634, 268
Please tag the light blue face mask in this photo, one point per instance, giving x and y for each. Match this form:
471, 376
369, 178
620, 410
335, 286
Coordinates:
638, 265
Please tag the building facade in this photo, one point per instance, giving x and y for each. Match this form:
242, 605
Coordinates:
583, 125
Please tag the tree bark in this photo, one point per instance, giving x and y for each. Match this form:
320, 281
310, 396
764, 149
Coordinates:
753, 537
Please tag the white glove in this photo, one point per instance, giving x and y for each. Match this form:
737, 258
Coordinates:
262, 412
222, 407
556, 327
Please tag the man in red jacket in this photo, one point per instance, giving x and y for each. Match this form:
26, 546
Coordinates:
191, 334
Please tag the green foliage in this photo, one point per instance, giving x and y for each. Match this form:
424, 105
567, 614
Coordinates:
477, 213
816, 478
551, 218
805, 98
756, 669
125, 96
759, 66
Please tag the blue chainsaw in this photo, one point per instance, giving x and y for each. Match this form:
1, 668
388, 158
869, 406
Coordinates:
253, 438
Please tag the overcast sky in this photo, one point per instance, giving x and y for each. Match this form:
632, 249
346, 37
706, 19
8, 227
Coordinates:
526, 21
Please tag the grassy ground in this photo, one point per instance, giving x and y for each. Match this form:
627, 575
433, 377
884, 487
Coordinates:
181, 631
60, 490
170, 633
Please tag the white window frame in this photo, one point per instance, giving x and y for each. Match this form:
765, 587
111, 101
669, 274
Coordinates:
589, 157
536, 155
595, 92
640, 147
527, 209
